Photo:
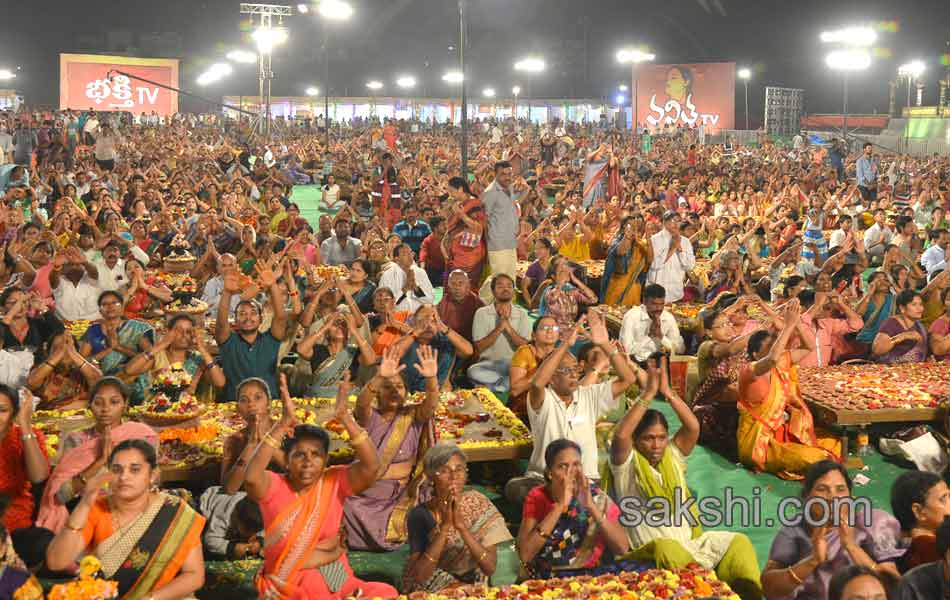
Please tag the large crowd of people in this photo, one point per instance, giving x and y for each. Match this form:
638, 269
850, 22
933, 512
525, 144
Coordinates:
795, 259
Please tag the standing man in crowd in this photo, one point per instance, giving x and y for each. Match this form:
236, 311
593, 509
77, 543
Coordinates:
672, 258
501, 208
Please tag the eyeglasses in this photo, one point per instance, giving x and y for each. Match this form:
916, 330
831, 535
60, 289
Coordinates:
569, 370
459, 472
554, 328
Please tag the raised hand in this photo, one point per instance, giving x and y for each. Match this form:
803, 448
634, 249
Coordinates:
95, 486
265, 275
598, 328
582, 487
287, 418
24, 416
428, 365
389, 366
342, 396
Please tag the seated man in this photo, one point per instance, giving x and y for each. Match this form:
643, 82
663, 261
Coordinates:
408, 283
429, 330
247, 352
226, 263
411, 230
459, 304
342, 248
650, 328
499, 329
73, 280
828, 320
559, 407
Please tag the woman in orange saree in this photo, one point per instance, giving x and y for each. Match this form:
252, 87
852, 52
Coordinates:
304, 554
147, 541
776, 430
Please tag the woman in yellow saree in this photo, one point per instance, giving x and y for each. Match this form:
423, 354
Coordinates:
147, 541
628, 257
776, 430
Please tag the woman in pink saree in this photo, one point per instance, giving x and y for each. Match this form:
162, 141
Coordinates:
304, 555
85, 453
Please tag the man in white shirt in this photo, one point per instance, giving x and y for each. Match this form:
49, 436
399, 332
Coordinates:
650, 328
672, 258
111, 268
408, 282
498, 330
877, 236
559, 407
75, 288
934, 258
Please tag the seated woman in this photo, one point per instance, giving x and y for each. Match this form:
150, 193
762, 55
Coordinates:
332, 351
719, 361
857, 582
24, 462
304, 555
628, 257
453, 537
569, 525
903, 337
143, 291
875, 307
562, 293
253, 406
776, 430
114, 339
182, 344
525, 361
644, 464
939, 333
62, 381
149, 542
85, 453
805, 556
727, 275
20, 328
359, 285
920, 502
375, 518
544, 250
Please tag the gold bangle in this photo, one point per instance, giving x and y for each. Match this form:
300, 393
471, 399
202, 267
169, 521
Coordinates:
76, 529
360, 438
482, 557
426, 554
270, 441
795, 576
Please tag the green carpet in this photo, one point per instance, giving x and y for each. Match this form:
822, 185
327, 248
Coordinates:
307, 197
710, 474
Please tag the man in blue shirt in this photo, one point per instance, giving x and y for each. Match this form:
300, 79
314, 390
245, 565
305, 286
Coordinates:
411, 230
866, 175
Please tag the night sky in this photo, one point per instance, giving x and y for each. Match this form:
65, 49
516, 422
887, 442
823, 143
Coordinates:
578, 39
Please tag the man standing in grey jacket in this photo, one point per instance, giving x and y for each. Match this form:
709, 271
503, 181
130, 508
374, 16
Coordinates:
502, 211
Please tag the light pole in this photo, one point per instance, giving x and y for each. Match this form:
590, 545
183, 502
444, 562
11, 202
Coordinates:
374, 86
515, 91
744, 75
847, 61
634, 56
852, 57
911, 71
407, 82
330, 10
463, 35
530, 65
